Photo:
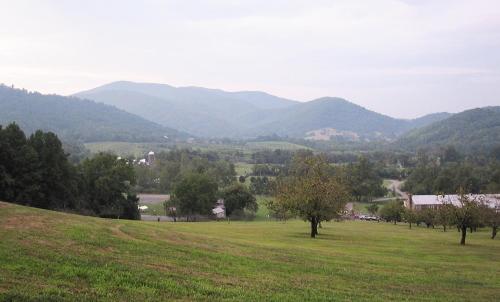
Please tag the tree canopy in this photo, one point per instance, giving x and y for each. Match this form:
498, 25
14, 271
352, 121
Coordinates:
195, 194
312, 192
35, 171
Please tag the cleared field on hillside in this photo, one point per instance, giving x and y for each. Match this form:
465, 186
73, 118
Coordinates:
125, 148
140, 149
53, 256
273, 145
243, 168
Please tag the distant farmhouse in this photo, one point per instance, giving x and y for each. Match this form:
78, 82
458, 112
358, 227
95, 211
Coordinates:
420, 202
149, 160
219, 210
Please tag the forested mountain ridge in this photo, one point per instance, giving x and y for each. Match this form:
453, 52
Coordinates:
469, 131
336, 117
324, 113
75, 119
216, 113
199, 111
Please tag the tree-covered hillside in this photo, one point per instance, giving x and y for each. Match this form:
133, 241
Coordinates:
200, 111
248, 114
469, 131
347, 119
75, 119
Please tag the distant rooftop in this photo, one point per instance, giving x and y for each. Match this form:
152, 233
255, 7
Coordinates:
491, 200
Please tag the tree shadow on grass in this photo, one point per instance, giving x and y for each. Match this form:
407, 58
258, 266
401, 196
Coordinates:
320, 236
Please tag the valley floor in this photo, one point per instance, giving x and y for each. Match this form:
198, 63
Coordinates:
46, 255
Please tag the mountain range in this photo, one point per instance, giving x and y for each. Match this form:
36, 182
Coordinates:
216, 113
75, 119
141, 112
474, 130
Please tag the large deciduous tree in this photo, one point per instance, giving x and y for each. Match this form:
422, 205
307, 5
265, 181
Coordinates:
238, 198
364, 180
195, 194
312, 192
107, 182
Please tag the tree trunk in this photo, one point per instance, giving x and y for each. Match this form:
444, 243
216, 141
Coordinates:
444, 228
464, 233
410, 225
314, 227
494, 231
394, 221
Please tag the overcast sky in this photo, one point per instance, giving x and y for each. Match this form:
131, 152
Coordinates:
401, 58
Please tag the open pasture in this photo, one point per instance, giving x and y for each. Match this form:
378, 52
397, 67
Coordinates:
54, 256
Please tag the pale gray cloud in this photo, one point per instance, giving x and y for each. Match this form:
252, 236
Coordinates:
402, 58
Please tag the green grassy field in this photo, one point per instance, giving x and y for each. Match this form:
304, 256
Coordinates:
125, 148
243, 168
273, 145
50, 256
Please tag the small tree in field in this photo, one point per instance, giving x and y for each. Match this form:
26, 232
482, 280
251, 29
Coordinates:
410, 216
444, 215
392, 211
491, 218
467, 214
313, 193
428, 216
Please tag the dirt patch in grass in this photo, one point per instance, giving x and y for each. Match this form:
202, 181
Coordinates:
23, 222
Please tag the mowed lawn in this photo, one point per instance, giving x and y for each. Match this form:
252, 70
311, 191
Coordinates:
50, 256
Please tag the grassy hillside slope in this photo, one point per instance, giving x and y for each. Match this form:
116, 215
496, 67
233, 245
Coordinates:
54, 256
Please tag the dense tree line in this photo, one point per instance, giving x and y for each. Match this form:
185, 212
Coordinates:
364, 181
266, 170
262, 185
196, 194
362, 177
274, 156
35, 171
170, 167
450, 171
196, 180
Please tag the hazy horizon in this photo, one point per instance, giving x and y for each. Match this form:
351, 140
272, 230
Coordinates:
401, 58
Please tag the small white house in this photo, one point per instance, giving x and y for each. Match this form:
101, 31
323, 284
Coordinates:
220, 213
219, 210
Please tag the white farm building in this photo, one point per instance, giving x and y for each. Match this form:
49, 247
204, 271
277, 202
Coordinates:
419, 202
